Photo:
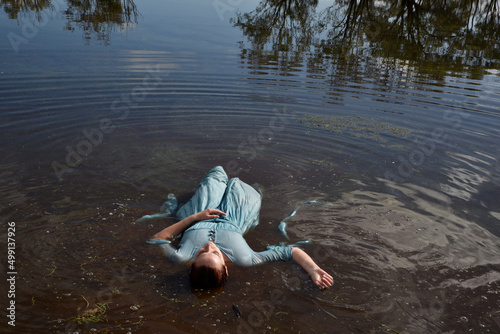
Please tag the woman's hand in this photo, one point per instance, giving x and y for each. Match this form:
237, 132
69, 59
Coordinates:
321, 278
208, 214
184, 224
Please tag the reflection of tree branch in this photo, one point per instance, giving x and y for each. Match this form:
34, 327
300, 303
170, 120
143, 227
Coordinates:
436, 35
14, 7
280, 22
353, 20
492, 8
355, 13
476, 38
411, 20
100, 17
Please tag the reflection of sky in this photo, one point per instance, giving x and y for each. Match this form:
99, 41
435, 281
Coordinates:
165, 24
193, 26
468, 175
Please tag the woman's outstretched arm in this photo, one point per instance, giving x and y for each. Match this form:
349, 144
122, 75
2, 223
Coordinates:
320, 277
184, 224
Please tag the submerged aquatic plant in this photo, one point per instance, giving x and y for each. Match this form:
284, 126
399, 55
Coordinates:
355, 126
96, 314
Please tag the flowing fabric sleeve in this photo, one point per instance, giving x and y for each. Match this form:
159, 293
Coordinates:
273, 253
184, 253
239, 252
167, 249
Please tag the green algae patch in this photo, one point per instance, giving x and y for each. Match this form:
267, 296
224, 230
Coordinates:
356, 126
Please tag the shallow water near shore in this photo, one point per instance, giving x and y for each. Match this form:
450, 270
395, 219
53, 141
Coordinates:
398, 143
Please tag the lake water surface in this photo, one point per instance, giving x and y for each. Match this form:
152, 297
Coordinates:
387, 115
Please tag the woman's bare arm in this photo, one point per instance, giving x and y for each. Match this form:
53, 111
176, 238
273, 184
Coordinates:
320, 277
184, 224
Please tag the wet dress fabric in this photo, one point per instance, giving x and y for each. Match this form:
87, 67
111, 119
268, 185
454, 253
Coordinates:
241, 203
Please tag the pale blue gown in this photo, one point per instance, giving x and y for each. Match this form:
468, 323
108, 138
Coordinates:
241, 203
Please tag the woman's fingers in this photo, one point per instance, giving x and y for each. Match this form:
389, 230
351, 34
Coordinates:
209, 214
324, 280
327, 281
214, 213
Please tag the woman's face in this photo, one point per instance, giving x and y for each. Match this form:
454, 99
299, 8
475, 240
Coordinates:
209, 255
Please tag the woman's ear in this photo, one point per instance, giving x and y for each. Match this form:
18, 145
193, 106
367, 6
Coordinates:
227, 273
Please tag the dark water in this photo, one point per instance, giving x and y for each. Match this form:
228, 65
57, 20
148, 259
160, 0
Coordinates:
386, 113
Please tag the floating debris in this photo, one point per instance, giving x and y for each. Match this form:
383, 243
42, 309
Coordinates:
237, 311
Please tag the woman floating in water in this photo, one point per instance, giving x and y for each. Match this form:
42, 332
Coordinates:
213, 223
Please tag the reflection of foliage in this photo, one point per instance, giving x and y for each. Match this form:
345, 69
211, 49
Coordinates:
460, 32
442, 35
14, 7
100, 17
283, 23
